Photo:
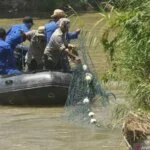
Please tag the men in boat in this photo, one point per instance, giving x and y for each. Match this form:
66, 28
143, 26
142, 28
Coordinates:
57, 48
33, 58
51, 26
6, 55
16, 34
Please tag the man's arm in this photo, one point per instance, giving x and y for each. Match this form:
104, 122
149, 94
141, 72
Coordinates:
9, 30
73, 35
66, 49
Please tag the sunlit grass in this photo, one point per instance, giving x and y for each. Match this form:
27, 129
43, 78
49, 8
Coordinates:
129, 52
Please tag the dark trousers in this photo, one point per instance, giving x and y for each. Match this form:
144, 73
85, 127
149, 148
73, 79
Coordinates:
33, 66
49, 64
62, 65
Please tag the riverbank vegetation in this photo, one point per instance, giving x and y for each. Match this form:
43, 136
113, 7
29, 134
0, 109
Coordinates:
129, 50
129, 57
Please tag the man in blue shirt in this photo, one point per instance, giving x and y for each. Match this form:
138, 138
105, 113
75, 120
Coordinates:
16, 35
6, 56
52, 26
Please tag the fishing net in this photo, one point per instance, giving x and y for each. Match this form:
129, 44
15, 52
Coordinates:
85, 88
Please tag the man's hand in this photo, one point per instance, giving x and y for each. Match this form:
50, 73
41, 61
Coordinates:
74, 57
71, 46
77, 60
78, 31
66, 50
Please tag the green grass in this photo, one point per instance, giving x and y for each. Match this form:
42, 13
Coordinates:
130, 52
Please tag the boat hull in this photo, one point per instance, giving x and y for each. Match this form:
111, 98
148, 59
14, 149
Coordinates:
44, 88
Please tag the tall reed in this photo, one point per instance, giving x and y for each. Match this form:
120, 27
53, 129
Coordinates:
130, 51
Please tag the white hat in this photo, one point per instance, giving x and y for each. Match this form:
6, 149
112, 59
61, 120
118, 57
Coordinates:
63, 21
40, 31
58, 13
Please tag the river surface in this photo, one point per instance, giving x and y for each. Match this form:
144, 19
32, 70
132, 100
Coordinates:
35, 128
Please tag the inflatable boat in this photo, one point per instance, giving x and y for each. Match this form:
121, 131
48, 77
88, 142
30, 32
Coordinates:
41, 88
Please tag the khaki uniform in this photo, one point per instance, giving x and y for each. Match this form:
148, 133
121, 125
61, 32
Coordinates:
55, 46
54, 50
36, 49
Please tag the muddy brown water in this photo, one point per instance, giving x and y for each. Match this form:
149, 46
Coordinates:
29, 128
